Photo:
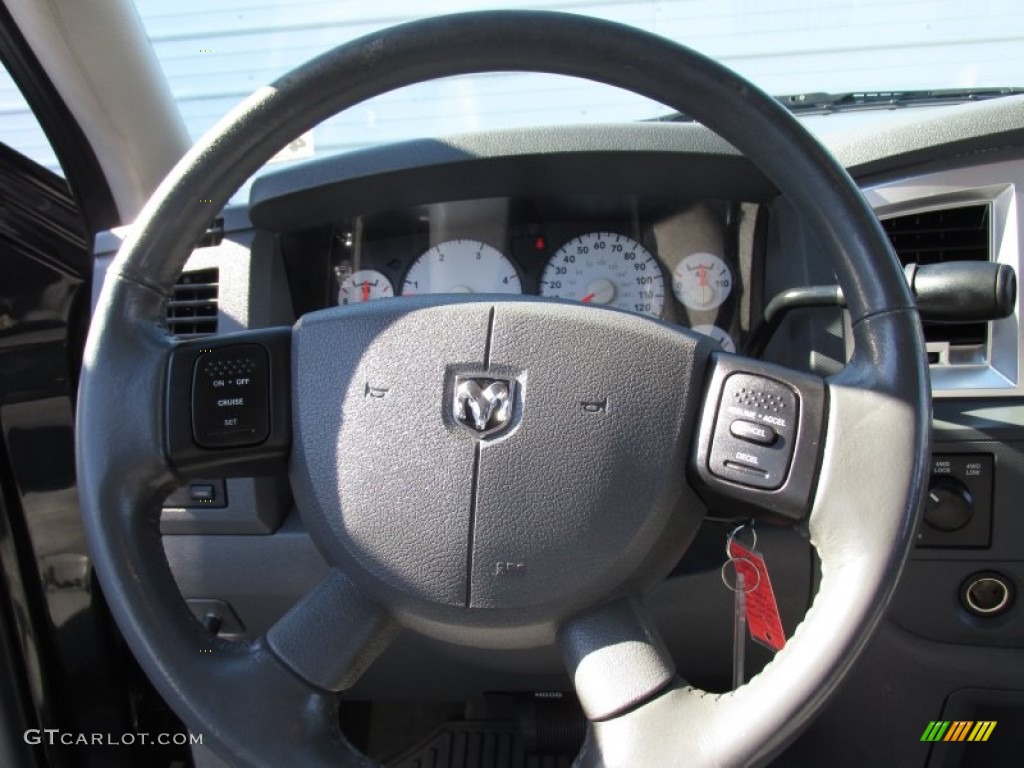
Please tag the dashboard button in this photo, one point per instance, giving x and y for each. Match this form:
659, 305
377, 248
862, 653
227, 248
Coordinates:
231, 397
760, 434
204, 492
198, 493
754, 432
742, 466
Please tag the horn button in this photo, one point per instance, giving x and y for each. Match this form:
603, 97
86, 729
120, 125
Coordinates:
485, 464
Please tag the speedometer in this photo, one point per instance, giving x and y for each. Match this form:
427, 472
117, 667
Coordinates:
461, 266
609, 269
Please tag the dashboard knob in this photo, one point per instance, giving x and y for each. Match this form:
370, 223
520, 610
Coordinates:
949, 505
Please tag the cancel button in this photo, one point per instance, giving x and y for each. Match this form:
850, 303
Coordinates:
759, 434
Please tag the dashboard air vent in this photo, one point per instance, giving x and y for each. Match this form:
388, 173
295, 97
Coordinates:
961, 233
192, 308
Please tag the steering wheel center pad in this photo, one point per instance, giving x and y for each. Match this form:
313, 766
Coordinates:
582, 493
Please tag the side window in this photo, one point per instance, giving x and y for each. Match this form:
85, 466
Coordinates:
19, 128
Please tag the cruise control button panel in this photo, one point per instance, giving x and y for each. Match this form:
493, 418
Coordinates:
754, 431
231, 397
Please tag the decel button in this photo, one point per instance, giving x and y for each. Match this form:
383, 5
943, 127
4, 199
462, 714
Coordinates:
230, 397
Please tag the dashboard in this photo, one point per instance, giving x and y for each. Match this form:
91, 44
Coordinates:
668, 221
681, 261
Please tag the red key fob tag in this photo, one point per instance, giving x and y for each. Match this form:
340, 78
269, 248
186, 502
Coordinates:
763, 619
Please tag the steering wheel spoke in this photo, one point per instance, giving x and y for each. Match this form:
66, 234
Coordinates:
332, 635
228, 404
758, 446
616, 659
872, 442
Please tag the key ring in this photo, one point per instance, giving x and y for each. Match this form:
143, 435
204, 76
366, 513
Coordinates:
736, 531
730, 560
733, 587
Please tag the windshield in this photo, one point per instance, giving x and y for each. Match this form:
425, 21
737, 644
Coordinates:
215, 52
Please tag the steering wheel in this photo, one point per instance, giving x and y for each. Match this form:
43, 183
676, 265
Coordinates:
543, 463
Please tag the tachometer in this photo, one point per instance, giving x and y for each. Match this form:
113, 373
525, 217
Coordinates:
609, 269
461, 266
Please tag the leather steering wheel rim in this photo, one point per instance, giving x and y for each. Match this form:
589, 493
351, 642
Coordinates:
254, 709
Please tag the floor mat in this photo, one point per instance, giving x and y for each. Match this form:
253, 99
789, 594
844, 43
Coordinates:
476, 745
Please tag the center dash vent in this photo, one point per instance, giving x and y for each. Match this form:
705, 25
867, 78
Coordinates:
962, 233
192, 308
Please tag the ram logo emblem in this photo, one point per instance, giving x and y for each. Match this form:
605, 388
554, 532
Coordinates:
483, 405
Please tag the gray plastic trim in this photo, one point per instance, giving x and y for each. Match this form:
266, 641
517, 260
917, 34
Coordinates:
233, 257
955, 133
678, 160
254, 505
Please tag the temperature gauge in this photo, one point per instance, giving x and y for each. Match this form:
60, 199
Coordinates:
702, 281
364, 285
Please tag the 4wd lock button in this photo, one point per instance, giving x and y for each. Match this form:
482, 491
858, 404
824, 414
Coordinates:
230, 397
754, 431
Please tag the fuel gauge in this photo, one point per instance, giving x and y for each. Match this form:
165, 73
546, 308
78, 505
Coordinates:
702, 281
364, 285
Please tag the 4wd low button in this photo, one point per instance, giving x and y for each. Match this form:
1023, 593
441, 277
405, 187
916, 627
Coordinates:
230, 397
759, 434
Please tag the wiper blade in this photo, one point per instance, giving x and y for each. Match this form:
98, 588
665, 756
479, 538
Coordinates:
827, 103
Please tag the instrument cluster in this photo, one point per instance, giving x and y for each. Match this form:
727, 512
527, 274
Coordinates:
678, 263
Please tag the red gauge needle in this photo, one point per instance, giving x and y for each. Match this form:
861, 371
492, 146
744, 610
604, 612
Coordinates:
703, 276
366, 290
588, 298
